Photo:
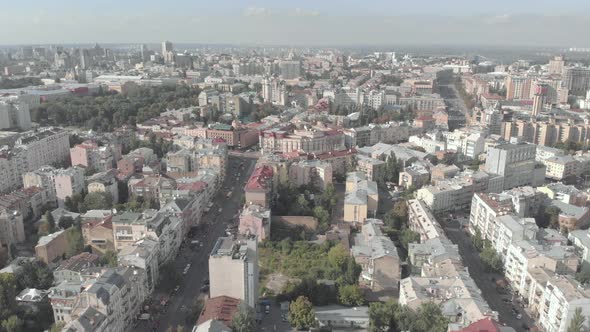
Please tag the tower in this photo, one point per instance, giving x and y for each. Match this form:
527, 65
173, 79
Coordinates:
266, 91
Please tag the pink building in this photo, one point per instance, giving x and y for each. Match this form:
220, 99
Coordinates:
99, 158
255, 220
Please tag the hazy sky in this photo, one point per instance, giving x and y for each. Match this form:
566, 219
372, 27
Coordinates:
309, 22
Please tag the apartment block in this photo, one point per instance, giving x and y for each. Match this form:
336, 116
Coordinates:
233, 270
516, 163
378, 257
52, 247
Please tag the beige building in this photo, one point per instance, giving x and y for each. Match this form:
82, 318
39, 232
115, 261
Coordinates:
361, 198
308, 141
51, 247
233, 270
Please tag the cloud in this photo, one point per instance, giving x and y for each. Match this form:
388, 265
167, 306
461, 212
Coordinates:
257, 11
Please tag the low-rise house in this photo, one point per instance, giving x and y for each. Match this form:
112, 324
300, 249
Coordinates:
341, 317
220, 308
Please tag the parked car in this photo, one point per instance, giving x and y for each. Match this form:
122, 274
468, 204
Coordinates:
204, 289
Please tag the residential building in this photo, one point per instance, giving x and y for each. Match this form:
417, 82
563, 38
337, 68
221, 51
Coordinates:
163, 227
421, 221
311, 172
378, 257
561, 298
143, 254
51, 247
580, 240
12, 230
67, 183
73, 269
104, 182
255, 220
361, 198
97, 158
516, 163
31, 151
98, 234
233, 270
312, 141
259, 188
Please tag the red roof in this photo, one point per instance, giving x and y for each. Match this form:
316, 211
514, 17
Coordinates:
260, 178
221, 308
483, 325
192, 186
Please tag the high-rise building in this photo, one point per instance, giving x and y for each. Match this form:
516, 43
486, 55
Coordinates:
290, 69
166, 47
85, 59
556, 65
167, 52
14, 113
518, 87
539, 99
577, 80
233, 270
144, 52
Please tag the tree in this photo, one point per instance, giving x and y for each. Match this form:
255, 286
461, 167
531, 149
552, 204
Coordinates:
491, 260
389, 317
34, 274
429, 318
337, 256
322, 215
244, 320
351, 295
408, 236
351, 273
75, 241
50, 221
109, 258
98, 201
57, 327
7, 295
398, 216
12, 324
44, 228
477, 240
301, 313
65, 222
577, 322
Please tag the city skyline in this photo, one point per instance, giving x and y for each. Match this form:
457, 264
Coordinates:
526, 23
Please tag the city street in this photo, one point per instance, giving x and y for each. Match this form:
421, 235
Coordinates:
178, 308
485, 281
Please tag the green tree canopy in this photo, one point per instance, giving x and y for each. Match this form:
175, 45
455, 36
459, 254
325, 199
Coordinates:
34, 274
576, 324
244, 320
301, 313
98, 201
351, 295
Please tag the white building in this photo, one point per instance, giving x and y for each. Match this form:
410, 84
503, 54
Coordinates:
233, 270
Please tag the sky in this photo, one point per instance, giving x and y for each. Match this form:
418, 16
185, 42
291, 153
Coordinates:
301, 22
